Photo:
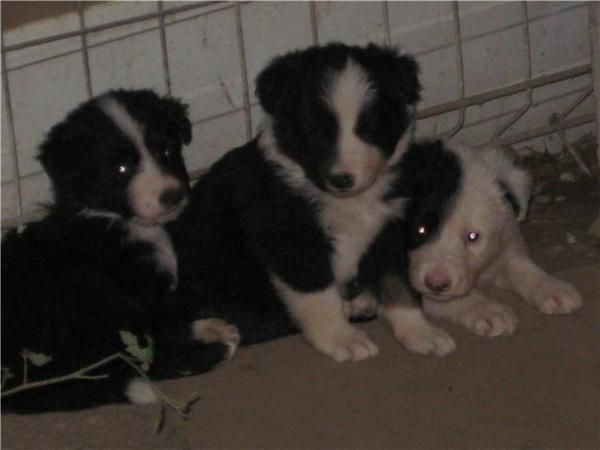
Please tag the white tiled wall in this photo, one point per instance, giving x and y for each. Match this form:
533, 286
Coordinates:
211, 50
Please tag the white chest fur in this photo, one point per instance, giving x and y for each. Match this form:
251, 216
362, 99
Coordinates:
159, 239
353, 223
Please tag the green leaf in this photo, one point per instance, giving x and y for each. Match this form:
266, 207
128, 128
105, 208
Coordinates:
37, 359
145, 355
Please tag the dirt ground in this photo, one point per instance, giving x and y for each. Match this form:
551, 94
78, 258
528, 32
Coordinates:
535, 390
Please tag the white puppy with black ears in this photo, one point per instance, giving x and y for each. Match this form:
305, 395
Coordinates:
463, 237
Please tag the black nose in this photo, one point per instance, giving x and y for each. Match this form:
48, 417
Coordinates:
341, 182
171, 197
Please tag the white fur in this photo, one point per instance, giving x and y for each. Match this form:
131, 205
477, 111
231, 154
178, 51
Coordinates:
352, 222
499, 258
139, 392
320, 316
411, 328
160, 240
349, 93
149, 181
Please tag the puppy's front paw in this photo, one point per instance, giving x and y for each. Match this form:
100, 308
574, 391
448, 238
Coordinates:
556, 297
217, 330
346, 343
490, 318
427, 340
363, 306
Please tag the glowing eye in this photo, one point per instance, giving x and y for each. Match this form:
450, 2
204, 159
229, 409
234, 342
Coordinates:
122, 169
421, 231
473, 236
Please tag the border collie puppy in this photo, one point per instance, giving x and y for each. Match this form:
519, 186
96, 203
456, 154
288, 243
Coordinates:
276, 228
462, 237
101, 262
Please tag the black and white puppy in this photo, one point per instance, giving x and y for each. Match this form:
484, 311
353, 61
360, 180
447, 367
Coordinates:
101, 261
276, 229
461, 237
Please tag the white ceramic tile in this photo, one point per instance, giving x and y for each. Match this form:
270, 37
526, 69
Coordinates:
213, 138
41, 95
438, 76
36, 193
9, 201
24, 57
561, 88
6, 141
350, 22
548, 8
107, 12
494, 60
193, 10
482, 130
560, 40
437, 125
427, 32
419, 27
271, 29
257, 115
7, 161
483, 18
539, 114
492, 110
205, 65
130, 62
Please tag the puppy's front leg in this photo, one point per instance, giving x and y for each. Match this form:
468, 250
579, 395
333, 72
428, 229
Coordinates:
404, 315
479, 314
321, 318
550, 295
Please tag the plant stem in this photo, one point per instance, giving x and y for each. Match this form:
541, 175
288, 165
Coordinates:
78, 374
82, 374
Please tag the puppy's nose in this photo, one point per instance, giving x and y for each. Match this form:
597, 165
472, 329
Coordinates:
341, 181
437, 282
171, 197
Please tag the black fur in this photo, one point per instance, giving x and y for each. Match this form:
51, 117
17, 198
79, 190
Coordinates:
245, 222
73, 281
291, 91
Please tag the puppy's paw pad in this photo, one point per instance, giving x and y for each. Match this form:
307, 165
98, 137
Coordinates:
490, 319
557, 297
217, 330
428, 341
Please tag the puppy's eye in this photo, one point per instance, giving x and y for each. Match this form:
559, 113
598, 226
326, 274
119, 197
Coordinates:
167, 152
422, 231
122, 169
473, 236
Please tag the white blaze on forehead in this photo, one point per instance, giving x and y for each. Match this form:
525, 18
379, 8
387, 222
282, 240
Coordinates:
349, 93
350, 90
123, 120
149, 181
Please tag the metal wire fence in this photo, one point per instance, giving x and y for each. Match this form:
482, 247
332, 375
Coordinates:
166, 15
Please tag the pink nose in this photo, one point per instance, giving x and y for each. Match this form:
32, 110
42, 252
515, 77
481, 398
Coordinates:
437, 281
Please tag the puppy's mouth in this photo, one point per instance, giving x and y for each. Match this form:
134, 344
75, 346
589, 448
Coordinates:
161, 218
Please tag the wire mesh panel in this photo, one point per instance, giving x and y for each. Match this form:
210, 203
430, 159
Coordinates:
504, 72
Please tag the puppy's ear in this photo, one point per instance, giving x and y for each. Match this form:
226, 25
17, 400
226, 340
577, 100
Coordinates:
60, 152
277, 85
514, 182
176, 113
399, 71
